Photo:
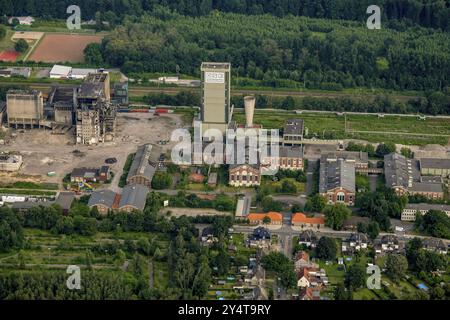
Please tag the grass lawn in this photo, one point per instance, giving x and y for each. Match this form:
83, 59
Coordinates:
7, 43
276, 185
365, 294
405, 130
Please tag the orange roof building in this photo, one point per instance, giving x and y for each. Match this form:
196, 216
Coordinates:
276, 218
300, 219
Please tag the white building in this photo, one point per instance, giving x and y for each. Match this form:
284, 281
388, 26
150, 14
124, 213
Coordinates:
25, 21
60, 72
409, 212
80, 74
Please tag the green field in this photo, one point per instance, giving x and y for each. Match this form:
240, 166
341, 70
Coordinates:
7, 43
402, 130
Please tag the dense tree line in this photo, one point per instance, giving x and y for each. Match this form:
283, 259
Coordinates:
399, 13
51, 285
290, 51
432, 103
434, 223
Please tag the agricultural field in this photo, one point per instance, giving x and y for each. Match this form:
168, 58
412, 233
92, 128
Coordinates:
401, 130
50, 48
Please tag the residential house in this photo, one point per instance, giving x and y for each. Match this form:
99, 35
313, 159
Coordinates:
303, 278
302, 261
207, 236
102, 174
258, 218
436, 245
337, 181
301, 220
23, 21
411, 209
259, 238
356, 242
308, 238
387, 244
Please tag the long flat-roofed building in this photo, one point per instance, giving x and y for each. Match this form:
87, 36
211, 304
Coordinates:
435, 167
216, 112
411, 209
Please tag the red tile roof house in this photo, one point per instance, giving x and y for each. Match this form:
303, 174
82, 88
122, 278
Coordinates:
301, 220
302, 261
258, 218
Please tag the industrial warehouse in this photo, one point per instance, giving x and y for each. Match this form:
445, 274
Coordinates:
87, 108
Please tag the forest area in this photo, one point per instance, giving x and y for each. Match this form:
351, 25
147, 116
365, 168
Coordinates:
399, 13
288, 52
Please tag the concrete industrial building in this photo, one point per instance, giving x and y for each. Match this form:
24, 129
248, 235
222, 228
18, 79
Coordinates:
216, 111
293, 131
404, 176
25, 108
96, 115
86, 107
435, 167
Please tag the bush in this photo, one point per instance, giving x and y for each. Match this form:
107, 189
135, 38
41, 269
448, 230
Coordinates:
161, 180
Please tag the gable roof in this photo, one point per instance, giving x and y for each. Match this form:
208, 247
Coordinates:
274, 216
134, 195
102, 197
302, 218
337, 174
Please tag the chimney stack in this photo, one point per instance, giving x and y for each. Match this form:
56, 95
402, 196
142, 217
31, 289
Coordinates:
249, 102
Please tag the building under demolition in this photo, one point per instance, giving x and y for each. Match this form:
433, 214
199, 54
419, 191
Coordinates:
87, 108
25, 108
96, 115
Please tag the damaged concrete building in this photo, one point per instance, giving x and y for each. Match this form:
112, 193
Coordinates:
96, 115
87, 108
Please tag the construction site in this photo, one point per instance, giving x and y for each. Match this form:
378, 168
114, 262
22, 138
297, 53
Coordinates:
86, 110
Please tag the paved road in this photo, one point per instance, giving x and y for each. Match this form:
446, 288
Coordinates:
312, 166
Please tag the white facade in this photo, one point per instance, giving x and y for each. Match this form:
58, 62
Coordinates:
409, 213
60, 72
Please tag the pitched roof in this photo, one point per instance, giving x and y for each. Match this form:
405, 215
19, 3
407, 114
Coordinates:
435, 163
102, 197
337, 174
302, 218
134, 195
65, 199
274, 216
143, 163
427, 206
302, 255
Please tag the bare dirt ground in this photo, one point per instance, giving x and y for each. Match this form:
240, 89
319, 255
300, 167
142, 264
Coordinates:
43, 152
63, 47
